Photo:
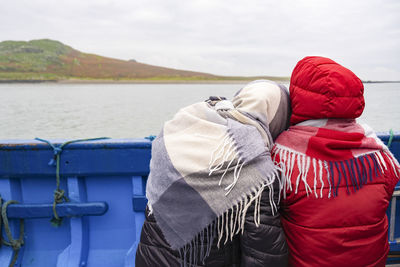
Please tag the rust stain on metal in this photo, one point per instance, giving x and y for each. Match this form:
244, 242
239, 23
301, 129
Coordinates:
9, 146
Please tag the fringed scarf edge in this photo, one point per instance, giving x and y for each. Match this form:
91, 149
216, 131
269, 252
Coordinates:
230, 223
225, 150
354, 171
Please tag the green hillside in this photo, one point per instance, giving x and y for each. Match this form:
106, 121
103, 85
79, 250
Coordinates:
45, 59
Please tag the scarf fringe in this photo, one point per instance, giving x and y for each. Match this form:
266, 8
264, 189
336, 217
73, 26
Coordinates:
229, 224
356, 172
226, 151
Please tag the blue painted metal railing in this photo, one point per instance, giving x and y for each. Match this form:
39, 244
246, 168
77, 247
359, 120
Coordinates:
393, 211
34, 211
105, 183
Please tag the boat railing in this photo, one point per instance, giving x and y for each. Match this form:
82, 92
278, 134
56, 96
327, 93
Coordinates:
104, 184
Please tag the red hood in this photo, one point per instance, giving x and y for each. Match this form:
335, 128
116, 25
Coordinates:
321, 88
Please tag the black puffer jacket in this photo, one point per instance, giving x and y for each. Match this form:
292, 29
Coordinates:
264, 245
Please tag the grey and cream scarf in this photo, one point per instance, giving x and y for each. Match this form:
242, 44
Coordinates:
211, 162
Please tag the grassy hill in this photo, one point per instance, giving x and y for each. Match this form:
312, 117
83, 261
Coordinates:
45, 59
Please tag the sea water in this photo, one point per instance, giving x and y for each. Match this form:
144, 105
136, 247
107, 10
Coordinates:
70, 111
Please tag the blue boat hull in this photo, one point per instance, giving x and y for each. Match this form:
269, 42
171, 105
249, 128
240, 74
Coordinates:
105, 184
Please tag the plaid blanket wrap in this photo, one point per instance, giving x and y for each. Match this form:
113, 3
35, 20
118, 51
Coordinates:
320, 148
210, 163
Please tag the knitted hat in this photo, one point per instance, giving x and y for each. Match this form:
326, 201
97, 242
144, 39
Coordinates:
321, 88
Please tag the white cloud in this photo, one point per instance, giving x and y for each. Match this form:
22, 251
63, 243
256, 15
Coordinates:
255, 37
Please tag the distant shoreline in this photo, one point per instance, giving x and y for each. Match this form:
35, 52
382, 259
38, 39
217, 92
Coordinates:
28, 81
381, 81
144, 81
151, 81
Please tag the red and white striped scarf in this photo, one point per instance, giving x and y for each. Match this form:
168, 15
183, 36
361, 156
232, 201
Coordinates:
331, 150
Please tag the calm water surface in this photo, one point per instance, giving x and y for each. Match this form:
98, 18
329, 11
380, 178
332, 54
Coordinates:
70, 111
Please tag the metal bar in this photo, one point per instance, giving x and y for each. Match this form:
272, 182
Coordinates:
139, 203
77, 252
32, 211
139, 200
392, 218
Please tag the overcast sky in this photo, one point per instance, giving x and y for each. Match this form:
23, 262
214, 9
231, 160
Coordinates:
235, 37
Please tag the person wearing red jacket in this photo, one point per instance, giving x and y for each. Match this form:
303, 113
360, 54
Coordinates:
338, 176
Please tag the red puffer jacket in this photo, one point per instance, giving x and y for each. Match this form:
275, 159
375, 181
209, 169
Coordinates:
339, 175
346, 230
